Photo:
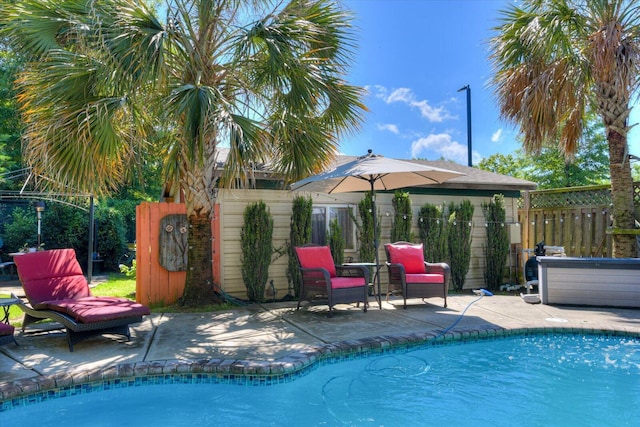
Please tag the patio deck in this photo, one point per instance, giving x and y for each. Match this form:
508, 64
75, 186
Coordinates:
274, 338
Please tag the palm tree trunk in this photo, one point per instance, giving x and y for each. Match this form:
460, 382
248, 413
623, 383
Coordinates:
199, 288
199, 181
624, 245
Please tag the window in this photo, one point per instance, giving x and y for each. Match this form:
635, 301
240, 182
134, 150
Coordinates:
320, 218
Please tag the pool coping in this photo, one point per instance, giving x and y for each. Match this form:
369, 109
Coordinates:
37, 389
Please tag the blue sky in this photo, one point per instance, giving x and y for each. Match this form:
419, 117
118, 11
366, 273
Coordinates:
413, 56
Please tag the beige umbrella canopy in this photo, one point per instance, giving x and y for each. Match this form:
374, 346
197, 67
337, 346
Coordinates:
371, 173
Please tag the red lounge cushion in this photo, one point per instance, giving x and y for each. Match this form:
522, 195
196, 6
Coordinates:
316, 257
347, 282
410, 256
424, 278
97, 309
6, 329
51, 275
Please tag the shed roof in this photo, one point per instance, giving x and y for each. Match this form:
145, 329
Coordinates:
474, 178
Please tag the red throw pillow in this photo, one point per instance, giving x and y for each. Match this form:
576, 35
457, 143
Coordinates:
411, 256
316, 257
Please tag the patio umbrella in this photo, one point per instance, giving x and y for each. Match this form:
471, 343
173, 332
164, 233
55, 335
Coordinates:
371, 173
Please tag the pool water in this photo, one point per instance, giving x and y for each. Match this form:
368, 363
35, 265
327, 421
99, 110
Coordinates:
538, 380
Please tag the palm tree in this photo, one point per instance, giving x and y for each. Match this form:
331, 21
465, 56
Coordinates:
556, 59
262, 78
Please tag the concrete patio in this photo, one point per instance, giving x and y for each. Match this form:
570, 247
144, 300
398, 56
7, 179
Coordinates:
274, 338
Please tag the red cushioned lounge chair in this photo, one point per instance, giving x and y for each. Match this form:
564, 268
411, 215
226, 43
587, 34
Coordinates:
56, 289
410, 274
6, 334
322, 278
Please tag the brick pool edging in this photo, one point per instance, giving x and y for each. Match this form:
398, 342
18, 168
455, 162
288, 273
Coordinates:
41, 388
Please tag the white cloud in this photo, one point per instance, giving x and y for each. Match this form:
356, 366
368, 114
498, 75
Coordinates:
443, 145
497, 136
406, 96
431, 113
389, 127
401, 95
378, 91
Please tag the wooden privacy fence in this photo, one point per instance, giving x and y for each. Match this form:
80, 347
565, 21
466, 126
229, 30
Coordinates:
578, 219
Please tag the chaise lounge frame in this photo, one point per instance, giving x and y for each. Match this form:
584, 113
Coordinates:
77, 331
54, 280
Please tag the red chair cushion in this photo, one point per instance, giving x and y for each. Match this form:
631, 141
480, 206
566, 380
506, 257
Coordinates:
6, 329
424, 278
51, 275
316, 257
97, 309
347, 282
410, 256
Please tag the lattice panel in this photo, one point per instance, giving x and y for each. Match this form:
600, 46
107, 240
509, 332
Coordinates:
570, 197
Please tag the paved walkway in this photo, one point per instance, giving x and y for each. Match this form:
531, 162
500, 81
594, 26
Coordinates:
275, 338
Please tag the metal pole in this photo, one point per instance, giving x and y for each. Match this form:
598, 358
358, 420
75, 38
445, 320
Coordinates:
375, 241
91, 238
468, 89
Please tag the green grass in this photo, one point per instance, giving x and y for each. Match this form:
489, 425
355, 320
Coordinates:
120, 285
15, 314
117, 285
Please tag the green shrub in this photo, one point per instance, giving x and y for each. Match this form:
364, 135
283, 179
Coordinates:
65, 226
402, 218
20, 229
257, 248
460, 228
365, 229
433, 231
497, 249
336, 242
300, 234
110, 236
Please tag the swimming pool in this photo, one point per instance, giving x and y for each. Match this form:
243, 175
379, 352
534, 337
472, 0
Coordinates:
530, 380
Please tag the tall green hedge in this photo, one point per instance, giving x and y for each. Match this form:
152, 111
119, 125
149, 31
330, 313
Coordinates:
497, 249
299, 234
402, 218
460, 228
433, 231
365, 231
336, 242
256, 238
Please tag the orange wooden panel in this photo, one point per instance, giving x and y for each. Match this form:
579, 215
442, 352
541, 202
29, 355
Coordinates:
154, 284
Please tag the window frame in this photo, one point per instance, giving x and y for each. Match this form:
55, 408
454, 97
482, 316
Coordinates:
350, 246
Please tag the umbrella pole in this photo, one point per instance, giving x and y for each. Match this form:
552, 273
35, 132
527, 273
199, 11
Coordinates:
375, 242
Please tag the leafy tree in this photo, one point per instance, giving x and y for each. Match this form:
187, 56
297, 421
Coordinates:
264, 78
550, 168
10, 156
558, 59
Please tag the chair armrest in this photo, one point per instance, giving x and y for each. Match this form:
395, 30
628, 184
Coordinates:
439, 268
315, 273
352, 271
396, 272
